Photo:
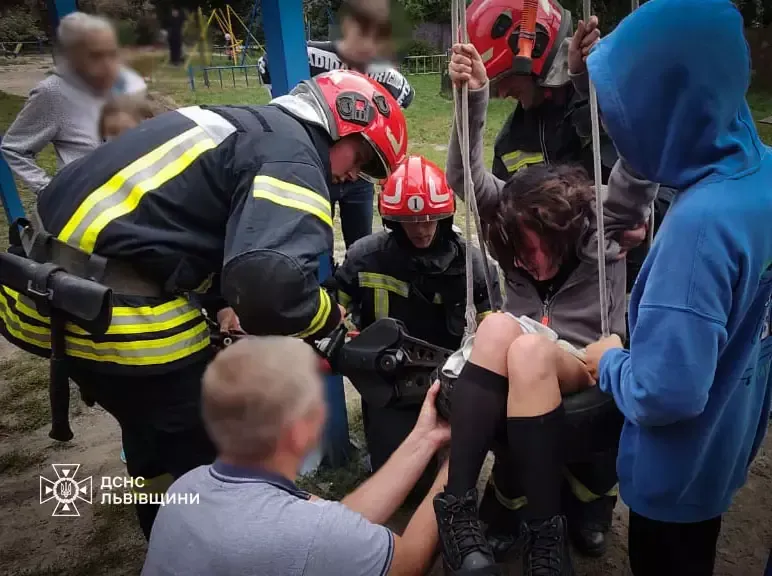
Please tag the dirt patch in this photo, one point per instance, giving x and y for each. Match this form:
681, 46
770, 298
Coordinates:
23, 74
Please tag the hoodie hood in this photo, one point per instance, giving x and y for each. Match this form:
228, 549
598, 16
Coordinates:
671, 81
303, 105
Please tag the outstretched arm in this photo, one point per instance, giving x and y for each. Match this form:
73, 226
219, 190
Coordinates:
280, 226
678, 327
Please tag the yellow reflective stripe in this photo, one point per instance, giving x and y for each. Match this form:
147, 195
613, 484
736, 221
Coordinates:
482, 316
136, 353
125, 320
321, 316
204, 287
514, 161
381, 304
123, 192
513, 504
156, 485
344, 298
582, 493
382, 281
292, 196
437, 299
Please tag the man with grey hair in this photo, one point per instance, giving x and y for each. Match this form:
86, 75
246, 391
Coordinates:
263, 406
64, 109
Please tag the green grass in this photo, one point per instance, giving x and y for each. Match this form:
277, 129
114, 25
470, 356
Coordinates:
24, 401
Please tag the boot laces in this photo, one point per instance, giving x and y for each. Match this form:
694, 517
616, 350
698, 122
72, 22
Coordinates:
466, 534
545, 543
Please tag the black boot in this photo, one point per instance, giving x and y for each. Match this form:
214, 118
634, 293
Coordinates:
588, 524
547, 552
464, 548
501, 525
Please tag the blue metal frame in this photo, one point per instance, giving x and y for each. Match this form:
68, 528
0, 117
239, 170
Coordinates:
285, 41
58, 9
10, 195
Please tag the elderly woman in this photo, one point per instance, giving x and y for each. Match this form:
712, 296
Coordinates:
64, 108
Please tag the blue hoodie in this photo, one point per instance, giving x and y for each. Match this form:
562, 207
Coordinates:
695, 386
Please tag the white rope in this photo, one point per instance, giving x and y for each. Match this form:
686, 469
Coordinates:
458, 24
603, 287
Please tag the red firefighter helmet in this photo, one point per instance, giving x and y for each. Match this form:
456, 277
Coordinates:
417, 191
356, 104
494, 29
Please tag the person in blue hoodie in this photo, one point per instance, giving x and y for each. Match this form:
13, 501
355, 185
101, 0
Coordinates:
694, 386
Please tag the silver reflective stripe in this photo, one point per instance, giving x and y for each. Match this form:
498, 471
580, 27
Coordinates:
217, 127
126, 320
293, 196
144, 176
140, 352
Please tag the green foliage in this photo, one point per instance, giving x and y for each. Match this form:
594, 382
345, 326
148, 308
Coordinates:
418, 48
147, 29
18, 24
127, 32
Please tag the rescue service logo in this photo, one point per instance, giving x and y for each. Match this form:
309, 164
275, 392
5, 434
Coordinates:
66, 490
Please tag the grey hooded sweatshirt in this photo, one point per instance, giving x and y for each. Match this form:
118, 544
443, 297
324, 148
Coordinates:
573, 311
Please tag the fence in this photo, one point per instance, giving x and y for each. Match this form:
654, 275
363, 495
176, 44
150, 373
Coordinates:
433, 64
223, 75
26, 48
240, 76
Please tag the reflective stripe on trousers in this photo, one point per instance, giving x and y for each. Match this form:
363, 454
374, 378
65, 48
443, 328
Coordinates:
138, 336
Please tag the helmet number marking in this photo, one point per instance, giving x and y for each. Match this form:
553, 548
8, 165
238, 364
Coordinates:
415, 203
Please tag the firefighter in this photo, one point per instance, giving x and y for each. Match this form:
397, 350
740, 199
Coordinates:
365, 28
413, 271
549, 125
230, 202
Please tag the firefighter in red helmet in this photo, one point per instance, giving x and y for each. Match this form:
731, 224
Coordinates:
550, 125
227, 202
413, 271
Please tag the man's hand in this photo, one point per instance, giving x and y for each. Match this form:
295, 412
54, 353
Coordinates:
587, 34
594, 352
228, 320
343, 313
429, 426
630, 239
466, 66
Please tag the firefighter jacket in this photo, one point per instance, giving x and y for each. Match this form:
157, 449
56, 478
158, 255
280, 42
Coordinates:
384, 277
197, 197
324, 57
556, 131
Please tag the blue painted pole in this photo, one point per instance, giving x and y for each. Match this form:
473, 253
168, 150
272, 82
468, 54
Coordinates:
288, 62
10, 196
58, 9
285, 44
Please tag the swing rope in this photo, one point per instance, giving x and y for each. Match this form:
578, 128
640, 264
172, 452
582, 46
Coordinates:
461, 107
602, 285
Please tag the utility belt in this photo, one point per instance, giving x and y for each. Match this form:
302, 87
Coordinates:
42, 247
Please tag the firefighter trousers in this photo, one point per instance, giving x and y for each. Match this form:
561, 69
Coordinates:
161, 426
385, 429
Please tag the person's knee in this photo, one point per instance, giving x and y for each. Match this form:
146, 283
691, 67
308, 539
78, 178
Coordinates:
531, 359
494, 336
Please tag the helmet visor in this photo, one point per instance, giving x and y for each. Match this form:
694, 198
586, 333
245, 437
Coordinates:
415, 217
374, 168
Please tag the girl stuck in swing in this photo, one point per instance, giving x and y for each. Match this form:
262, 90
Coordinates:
511, 377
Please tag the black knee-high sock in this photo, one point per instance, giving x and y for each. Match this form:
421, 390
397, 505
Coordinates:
479, 404
536, 446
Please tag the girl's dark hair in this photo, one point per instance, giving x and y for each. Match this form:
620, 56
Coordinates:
554, 202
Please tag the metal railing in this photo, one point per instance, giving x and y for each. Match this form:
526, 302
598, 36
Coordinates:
11, 49
236, 76
434, 64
